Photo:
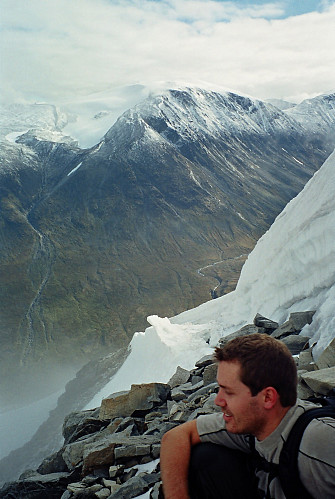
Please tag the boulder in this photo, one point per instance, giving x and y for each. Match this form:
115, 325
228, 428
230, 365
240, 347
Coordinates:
179, 412
73, 453
75, 420
116, 470
209, 375
263, 322
136, 486
295, 343
294, 324
180, 377
327, 358
138, 399
247, 329
306, 360
98, 454
322, 381
104, 452
204, 361
37, 486
53, 463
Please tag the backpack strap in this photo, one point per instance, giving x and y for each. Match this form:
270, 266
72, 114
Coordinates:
258, 462
288, 461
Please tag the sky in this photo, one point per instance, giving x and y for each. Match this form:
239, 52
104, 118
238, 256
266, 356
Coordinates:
61, 50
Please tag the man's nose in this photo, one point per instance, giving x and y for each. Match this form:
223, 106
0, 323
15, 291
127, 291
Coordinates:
219, 399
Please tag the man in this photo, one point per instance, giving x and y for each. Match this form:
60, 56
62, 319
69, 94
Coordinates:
257, 380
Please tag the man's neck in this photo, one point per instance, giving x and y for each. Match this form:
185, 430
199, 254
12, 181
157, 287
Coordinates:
272, 422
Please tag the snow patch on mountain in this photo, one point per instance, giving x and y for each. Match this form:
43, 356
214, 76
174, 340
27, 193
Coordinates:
317, 114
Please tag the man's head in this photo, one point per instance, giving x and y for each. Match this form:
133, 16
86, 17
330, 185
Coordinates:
264, 362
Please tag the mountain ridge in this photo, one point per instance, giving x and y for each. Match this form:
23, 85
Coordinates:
99, 238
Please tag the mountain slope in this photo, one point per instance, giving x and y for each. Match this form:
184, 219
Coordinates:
291, 269
97, 239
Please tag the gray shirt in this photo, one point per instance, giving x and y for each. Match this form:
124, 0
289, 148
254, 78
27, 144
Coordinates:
316, 459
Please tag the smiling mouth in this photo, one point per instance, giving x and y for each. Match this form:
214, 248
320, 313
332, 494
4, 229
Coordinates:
225, 415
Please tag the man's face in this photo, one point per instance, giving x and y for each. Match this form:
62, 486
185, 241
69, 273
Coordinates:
242, 412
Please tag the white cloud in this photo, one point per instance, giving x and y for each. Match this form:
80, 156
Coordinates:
56, 49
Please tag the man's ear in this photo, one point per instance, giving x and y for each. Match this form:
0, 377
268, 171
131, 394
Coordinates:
270, 397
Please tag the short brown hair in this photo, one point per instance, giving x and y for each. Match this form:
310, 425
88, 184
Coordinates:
264, 361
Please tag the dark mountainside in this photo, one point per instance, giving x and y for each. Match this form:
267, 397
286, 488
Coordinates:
93, 241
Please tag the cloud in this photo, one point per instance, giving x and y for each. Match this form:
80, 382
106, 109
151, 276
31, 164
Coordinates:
58, 49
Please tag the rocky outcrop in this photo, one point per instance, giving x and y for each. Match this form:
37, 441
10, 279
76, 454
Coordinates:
113, 451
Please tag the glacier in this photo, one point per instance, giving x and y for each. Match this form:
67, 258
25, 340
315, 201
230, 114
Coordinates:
291, 269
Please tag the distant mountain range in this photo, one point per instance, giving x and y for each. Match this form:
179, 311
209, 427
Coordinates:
94, 240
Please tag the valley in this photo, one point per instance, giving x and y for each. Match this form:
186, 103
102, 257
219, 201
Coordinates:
95, 240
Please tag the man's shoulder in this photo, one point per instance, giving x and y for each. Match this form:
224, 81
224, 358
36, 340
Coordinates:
319, 436
319, 433
210, 423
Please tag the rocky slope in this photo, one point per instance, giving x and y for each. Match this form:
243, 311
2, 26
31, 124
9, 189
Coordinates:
113, 451
95, 240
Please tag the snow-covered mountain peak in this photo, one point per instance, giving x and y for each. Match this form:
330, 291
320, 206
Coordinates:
317, 114
186, 108
193, 112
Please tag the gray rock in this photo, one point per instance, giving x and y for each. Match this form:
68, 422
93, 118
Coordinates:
202, 391
50, 486
128, 427
102, 453
210, 404
300, 319
205, 361
321, 381
295, 343
116, 470
306, 360
304, 392
181, 392
157, 491
73, 453
155, 451
209, 375
180, 376
157, 430
179, 412
152, 416
103, 493
295, 323
247, 329
114, 424
98, 454
139, 398
178, 394
136, 486
132, 451
196, 379
264, 322
327, 358
73, 420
